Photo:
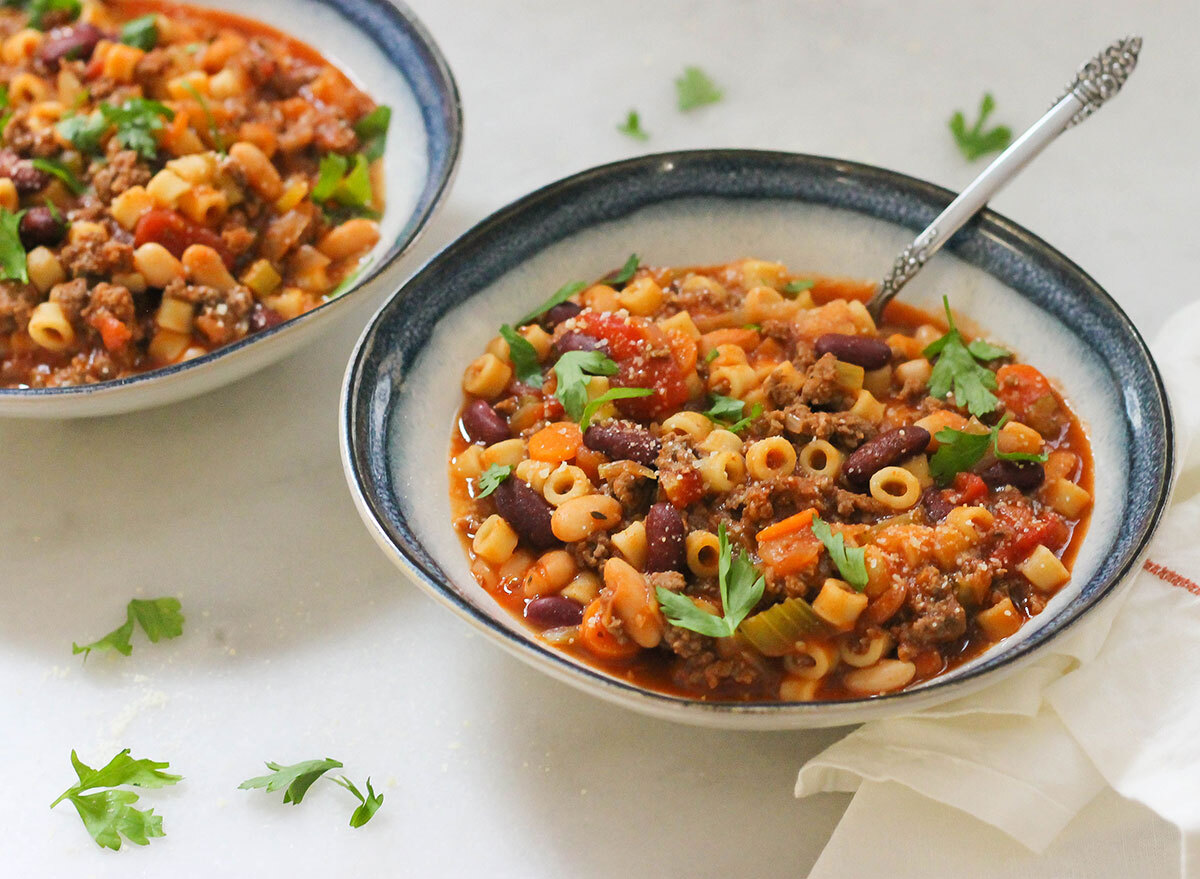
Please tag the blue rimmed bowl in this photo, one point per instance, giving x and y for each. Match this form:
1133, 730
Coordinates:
817, 215
383, 47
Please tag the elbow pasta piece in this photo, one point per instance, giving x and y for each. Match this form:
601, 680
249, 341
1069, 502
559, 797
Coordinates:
25, 88
878, 381
1000, 620
838, 604
581, 517
896, 488
258, 170
541, 342
228, 83
721, 471
120, 61
203, 205
21, 46
487, 377
565, 483
468, 464
794, 689
166, 187
9, 200
632, 544
694, 425
728, 354
811, 660
583, 588
915, 372
44, 269
1044, 570
721, 440
262, 278
129, 207
682, 323
821, 458
506, 453
770, 458
641, 296
918, 466
1017, 437
534, 473
196, 168
600, 297
734, 381
972, 522
872, 651
882, 677
49, 327
495, 540
703, 553
867, 407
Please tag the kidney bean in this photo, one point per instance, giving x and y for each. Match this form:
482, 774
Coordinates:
526, 511
884, 451
28, 179
561, 312
484, 424
70, 44
573, 341
860, 350
623, 442
554, 610
1025, 475
263, 317
665, 536
937, 507
38, 227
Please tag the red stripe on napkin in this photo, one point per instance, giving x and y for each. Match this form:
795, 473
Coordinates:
1173, 577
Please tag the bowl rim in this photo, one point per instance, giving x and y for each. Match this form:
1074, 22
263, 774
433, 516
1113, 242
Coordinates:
356, 466
431, 200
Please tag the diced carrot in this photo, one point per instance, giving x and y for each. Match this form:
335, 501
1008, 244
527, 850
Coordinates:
113, 333
683, 349
556, 442
787, 526
790, 553
599, 638
1019, 385
744, 338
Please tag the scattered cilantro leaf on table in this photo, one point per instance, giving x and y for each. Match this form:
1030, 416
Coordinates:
158, 617
369, 804
295, 780
109, 815
632, 127
695, 89
974, 142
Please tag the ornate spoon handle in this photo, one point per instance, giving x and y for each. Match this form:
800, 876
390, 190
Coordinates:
1096, 82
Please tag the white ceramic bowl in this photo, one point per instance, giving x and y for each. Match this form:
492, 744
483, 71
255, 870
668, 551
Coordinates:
384, 48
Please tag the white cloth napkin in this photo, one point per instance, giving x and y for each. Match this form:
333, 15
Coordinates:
1116, 704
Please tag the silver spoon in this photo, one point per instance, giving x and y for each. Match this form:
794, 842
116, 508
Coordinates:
1096, 82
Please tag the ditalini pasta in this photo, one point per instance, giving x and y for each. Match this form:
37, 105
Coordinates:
730, 483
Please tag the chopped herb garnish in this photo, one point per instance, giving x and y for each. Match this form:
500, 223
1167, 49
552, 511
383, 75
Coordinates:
741, 588
712, 355
632, 127
561, 295
523, 356
39, 9
351, 188
792, 289
62, 172
573, 370
295, 780
958, 369
756, 327
7, 115
607, 397
84, 132
490, 479
12, 251
729, 411
213, 131
960, 450
136, 120
372, 131
851, 562
974, 142
141, 32
158, 617
694, 89
108, 815
738, 426
626, 272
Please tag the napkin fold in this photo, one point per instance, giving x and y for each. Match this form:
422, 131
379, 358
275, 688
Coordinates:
1114, 702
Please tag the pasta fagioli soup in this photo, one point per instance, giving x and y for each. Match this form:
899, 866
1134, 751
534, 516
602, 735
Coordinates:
172, 179
729, 483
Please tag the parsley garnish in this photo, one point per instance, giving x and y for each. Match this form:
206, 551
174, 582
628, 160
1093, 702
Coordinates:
61, 171
957, 368
39, 9
712, 355
350, 188
572, 370
141, 32
213, 131
792, 289
372, 131
84, 132
608, 396
960, 450
12, 251
632, 127
625, 273
109, 815
561, 295
299, 777
490, 479
729, 411
136, 121
851, 563
158, 617
694, 89
974, 142
741, 590
523, 356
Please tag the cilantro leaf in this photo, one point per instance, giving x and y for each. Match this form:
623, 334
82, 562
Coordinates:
372, 131
561, 295
12, 251
572, 370
960, 450
490, 479
741, 589
108, 815
851, 563
39, 9
792, 289
370, 803
62, 172
625, 273
84, 132
982, 350
607, 397
213, 131
729, 411
632, 127
297, 778
523, 356
695, 89
738, 426
141, 32
136, 120
974, 142
712, 355
956, 368
158, 617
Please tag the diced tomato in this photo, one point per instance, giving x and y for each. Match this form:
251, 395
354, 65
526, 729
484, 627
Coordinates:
113, 333
645, 359
683, 349
682, 487
1052, 532
1019, 386
968, 488
176, 233
790, 553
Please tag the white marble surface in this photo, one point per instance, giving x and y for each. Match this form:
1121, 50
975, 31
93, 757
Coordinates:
302, 641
